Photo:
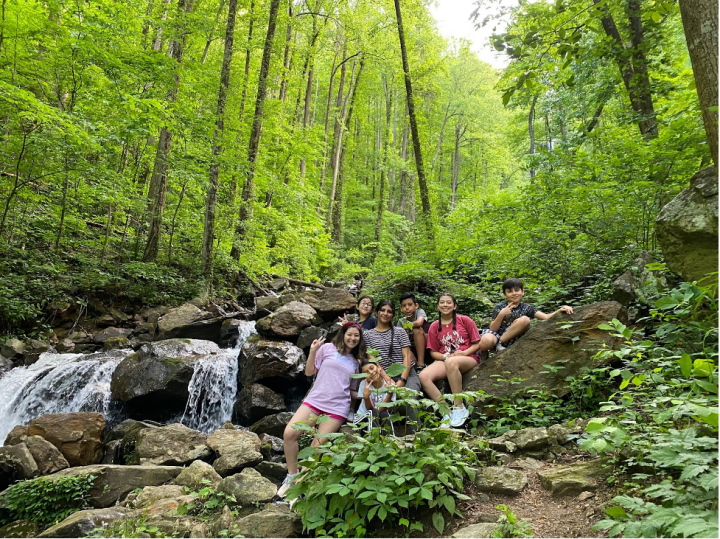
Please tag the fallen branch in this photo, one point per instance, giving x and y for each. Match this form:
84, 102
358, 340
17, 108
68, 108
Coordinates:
300, 283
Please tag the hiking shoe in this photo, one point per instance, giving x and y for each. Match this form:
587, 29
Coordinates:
286, 484
459, 416
445, 422
499, 347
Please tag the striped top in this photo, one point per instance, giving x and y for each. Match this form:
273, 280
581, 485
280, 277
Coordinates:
380, 340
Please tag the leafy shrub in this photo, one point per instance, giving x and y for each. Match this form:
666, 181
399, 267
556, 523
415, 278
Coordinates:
509, 525
208, 502
45, 500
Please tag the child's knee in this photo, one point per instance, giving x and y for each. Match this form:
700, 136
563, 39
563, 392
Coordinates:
425, 378
487, 342
523, 321
290, 434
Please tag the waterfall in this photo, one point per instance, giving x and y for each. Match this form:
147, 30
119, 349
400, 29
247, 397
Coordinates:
213, 386
57, 383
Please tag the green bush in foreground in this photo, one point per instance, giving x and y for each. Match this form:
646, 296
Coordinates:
46, 501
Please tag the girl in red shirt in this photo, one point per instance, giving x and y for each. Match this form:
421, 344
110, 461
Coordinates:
454, 341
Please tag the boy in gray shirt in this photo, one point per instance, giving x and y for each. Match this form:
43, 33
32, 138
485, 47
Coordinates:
417, 334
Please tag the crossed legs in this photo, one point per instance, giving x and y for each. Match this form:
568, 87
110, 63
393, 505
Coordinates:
517, 328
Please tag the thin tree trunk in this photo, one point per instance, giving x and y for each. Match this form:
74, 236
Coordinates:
286, 55
209, 40
531, 131
383, 165
403, 173
456, 165
424, 193
158, 37
248, 194
246, 71
700, 21
440, 138
327, 122
641, 80
211, 200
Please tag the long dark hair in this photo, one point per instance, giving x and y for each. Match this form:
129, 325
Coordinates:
454, 313
359, 352
380, 305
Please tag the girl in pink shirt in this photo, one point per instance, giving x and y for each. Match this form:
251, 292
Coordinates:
453, 341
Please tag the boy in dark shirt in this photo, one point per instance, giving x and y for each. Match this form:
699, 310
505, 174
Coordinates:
511, 318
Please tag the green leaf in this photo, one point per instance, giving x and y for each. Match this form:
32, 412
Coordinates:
702, 368
616, 512
685, 363
396, 369
438, 521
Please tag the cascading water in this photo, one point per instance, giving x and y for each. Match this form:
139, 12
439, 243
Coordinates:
213, 386
57, 383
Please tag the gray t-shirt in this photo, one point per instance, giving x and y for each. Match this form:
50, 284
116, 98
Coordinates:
418, 314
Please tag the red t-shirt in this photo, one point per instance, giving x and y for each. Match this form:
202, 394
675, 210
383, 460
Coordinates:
443, 339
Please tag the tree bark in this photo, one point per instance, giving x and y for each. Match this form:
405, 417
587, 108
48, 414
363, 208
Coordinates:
531, 131
248, 194
459, 131
211, 199
424, 193
383, 165
403, 173
209, 40
700, 21
286, 55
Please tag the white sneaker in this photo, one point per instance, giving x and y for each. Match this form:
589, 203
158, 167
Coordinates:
286, 484
499, 347
459, 416
445, 422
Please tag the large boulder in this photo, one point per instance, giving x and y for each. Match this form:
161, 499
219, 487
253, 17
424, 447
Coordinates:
329, 303
272, 521
82, 523
274, 425
14, 349
264, 305
78, 435
248, 487
153, 382
181, 316
236, 448
111, 333
16, 462
198, 475
16, 435
20, 528
500, 480
150, 495
261, 359
172, 445
209, 330
46, 455
120, 442
567, 341
288, 321
573, 479
687, 228
256, 401
637, 282
113, 482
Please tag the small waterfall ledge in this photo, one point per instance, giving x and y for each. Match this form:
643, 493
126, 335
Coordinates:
61, 383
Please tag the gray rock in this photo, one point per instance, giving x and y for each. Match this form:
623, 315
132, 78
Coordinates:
17, 462
330, 302
229, 332
637, 282
116, 343
150, 495
122, 439
180, 316
209, 330
272, 424
198, 475
172, 445
248, 487
267, 304
256, 401
280, 283
573, 479
288, 321
476, 530
13, 349
687, 228
308, 335
274, 471
20, 528
78, 435
153, 314
560, 433
500, 480
271, 446
145, 328
153, 382
109, 333
529, 464
35, 348
5, 365
532, 438
16, 435
47, 457
261, 359
238, 449
113, 482
272, 521
82, 523
547, 343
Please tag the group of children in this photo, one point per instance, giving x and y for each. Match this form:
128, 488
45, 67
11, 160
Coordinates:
453, 342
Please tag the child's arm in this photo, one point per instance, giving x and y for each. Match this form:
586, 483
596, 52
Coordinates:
310, 369
497, 322
367, 391
544, 316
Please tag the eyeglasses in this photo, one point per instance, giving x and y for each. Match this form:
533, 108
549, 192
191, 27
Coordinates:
365, 304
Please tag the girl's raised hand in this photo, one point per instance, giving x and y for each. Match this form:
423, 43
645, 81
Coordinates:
317, 343
343, 318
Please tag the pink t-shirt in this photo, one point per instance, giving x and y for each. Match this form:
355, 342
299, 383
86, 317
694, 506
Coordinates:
331, 390
444, 339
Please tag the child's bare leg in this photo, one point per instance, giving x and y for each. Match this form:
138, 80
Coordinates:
419, 336
291, 437
488, 342
456, 366
517, 328
429, 376
331, 425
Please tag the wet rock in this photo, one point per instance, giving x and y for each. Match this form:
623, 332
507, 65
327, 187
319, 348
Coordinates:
106, 320
687, 228
5, 365
17, 462
78, 435
248, 487
261, 359
209, 330
278, 284
573, 479
145, 328
153, 382
47, 457
274, 471
500, 480
476, 530
115, 343
256, 401
308, 335
198, 475
111, 333
153, 314
229, 332
180, 316
122, 439
172, 445
16, 435
272, 424
330, 302
35, 348
82, 523
113, 482
20, 528
546, 342
271, 446
265, 305
272, 521
13, 349
237, 449
288, 321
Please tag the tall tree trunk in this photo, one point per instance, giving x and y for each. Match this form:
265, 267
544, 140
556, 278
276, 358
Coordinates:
440, 138
403, 173
456, 165
287, 57
327, 120
531, 131
641, 80
700, 21
158, 182
248, 194
383, 165
424, 193
211, 199
246, 71
209, 39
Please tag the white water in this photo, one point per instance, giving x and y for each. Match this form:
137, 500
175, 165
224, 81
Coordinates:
61, 383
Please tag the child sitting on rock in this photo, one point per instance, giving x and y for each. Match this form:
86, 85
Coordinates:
511, 318
371, 397
416, 325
